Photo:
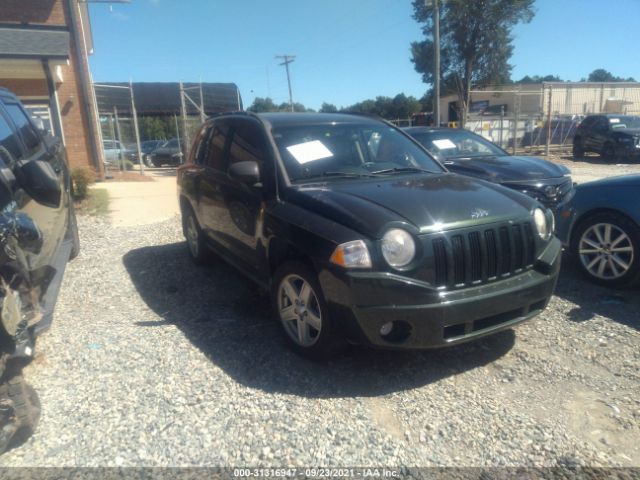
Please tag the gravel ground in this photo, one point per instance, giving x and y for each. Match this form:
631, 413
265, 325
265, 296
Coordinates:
593, 167
152, 361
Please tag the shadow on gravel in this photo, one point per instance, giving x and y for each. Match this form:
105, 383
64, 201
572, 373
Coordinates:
229, 320
618, 305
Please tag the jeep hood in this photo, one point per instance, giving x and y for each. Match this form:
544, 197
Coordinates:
428, 202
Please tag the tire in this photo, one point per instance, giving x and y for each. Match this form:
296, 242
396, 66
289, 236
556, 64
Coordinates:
20, 412
578, 149
147, 161
296, 291
196, 243
613, 261
609, 152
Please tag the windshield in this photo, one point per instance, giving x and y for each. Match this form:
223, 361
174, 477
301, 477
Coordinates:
456, 143
348, 150
624, 121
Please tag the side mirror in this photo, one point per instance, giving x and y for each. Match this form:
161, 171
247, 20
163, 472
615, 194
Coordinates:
40, 181
246, 172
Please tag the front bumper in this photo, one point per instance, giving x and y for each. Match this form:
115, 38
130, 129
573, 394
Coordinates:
628, 150
427, 317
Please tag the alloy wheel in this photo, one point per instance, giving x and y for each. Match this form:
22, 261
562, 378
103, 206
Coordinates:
299, 310
606, 251
192, 236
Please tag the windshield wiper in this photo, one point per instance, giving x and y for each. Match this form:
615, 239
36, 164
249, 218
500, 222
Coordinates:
337, 174
401, 169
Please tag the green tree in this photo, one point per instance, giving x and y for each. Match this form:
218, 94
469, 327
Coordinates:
475, 43
328, 108
539, 79
602, 75
399, 106
156, 128
297, 107
266, 104
260, 105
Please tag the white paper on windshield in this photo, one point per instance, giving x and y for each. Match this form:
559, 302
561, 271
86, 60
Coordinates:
444, 143
309, 151
614, 120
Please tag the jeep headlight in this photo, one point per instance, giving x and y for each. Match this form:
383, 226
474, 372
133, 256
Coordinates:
353, 254
544, 223
398, 248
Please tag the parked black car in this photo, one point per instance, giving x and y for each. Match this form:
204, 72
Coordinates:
169, 153
611, 136
147, 147
359, 234
601, 227
466, 153
562, 133
38, 235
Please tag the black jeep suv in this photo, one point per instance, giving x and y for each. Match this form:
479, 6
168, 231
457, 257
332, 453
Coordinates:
611, 136
38, 235
360, 234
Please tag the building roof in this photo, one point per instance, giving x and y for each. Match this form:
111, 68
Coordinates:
33, 42
163, 98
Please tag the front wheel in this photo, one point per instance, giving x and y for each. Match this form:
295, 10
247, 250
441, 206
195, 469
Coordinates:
609, 152
606, 247
302, 311
196, 243
578, 149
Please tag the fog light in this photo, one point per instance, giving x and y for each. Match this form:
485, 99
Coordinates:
386, 329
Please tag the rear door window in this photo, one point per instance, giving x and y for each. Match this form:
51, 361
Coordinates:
216, 156
8, 140
27, 131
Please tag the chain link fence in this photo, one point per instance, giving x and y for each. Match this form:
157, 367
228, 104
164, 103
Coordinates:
119, 129
545, 119
158, 132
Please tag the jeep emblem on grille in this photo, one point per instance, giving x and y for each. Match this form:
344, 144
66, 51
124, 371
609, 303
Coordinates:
479, 213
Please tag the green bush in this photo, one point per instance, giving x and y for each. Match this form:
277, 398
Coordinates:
81, 178
128, 164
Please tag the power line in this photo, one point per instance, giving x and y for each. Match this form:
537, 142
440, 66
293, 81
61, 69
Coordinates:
287, 59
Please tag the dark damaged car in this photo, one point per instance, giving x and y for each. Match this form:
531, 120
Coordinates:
360, 235
38, 236
466, 153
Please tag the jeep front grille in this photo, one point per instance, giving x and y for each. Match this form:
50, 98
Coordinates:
479, 256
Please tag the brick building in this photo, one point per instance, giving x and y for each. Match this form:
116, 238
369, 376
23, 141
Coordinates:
44, 46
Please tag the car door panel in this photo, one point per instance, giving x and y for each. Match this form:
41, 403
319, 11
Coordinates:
242, 213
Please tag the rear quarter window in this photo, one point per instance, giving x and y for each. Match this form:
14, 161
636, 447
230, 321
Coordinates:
26, 129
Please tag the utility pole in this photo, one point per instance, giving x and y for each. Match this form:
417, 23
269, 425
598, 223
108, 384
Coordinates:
287, 59
183, 112
203, 117
135, 127
436, 61
121, 158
